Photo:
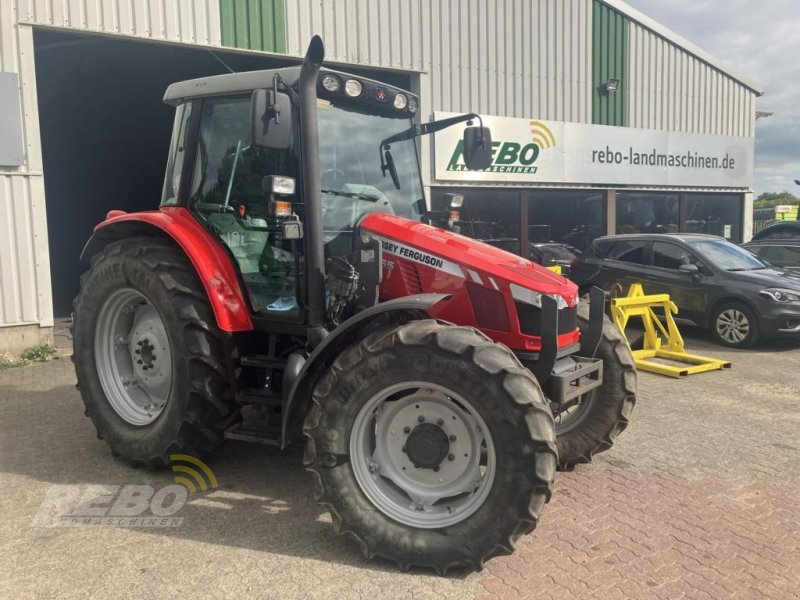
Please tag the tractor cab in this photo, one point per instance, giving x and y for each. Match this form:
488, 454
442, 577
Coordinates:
236, 163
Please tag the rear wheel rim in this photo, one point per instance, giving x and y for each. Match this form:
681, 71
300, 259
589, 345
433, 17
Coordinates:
133, 357
733, 326
422, 455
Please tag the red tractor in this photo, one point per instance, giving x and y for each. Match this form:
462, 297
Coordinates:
294, 283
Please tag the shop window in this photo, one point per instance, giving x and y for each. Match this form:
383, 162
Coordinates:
647, 212
489, 215
570, 217
715, 214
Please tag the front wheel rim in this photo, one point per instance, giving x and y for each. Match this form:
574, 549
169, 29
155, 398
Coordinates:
133, 357
422, 455
733, 326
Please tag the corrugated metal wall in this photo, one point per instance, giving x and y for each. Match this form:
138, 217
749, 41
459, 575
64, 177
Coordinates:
189, 21
25, 296
610, 60
670, 89
506, 57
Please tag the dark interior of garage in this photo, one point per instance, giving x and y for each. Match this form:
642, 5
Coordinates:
105, 131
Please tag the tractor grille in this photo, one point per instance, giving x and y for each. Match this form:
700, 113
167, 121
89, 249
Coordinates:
530, 319
410, 275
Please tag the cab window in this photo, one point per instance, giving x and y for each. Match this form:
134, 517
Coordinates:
227, 195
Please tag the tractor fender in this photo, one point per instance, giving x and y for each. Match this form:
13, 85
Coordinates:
212, 263
300, 385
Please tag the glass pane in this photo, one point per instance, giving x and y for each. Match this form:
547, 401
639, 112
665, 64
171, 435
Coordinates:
227, 195
353, 184
574, 218
715, 214
671, 256
781, 256
627, 251
647, 212
489, 215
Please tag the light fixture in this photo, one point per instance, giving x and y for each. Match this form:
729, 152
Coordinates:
381, 94
352, 88
400, 101
331, 83
612, 85
413, 105
278, 184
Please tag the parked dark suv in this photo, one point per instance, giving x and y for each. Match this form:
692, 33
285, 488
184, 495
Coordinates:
716, 284
778, 244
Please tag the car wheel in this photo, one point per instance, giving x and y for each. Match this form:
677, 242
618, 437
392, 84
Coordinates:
734, 325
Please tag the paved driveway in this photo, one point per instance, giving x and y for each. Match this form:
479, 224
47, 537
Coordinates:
697, 500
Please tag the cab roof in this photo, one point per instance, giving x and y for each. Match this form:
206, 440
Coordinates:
247, 81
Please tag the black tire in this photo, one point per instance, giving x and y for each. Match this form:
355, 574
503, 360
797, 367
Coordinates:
604, 413
200, 405
719, 331
508, 399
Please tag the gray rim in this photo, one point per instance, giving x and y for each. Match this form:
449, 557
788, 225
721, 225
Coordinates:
733, 326
426, 498
569, 418
133, 357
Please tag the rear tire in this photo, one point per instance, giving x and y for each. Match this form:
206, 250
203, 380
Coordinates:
193, 403
480, 378
604, 412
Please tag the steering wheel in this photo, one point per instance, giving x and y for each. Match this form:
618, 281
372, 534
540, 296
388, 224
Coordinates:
338, 177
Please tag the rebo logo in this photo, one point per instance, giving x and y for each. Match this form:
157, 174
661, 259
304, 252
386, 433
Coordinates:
511, 157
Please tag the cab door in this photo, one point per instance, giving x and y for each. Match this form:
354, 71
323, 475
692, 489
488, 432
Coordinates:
688, 290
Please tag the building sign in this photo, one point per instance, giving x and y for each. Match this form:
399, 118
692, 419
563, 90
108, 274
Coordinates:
535, 151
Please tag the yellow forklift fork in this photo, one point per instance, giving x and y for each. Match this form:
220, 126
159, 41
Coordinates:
637, 304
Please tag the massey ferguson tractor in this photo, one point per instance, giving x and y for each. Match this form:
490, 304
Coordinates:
293, 283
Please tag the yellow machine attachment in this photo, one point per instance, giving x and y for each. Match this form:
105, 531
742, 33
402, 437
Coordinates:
637, 304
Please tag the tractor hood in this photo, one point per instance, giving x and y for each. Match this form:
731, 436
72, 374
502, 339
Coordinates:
478, 262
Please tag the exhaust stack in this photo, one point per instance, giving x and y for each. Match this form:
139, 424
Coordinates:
309, 138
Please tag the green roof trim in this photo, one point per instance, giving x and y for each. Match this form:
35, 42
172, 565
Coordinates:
253, 24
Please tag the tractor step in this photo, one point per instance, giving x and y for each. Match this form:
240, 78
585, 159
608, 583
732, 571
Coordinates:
255, 397
256, 433
262, 362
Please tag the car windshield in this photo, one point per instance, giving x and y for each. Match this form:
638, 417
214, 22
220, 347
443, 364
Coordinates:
727, 256
352, 182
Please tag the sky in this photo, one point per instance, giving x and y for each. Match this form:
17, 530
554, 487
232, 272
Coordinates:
760, 39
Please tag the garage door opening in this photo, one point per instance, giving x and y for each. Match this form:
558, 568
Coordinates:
105, 132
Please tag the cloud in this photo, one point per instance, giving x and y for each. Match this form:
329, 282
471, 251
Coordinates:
760, 39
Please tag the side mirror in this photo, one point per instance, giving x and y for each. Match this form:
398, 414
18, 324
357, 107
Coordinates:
477, 148
691, 269
271, 115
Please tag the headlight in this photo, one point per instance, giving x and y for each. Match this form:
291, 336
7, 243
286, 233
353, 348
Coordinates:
413, 105
779, 295
400, 101
352, 88
527, 296
331, 83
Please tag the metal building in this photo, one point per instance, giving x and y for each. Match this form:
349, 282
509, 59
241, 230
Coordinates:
632, 127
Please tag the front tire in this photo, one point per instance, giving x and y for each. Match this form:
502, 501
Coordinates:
603, 413
431, 446
734, 325
149, 356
